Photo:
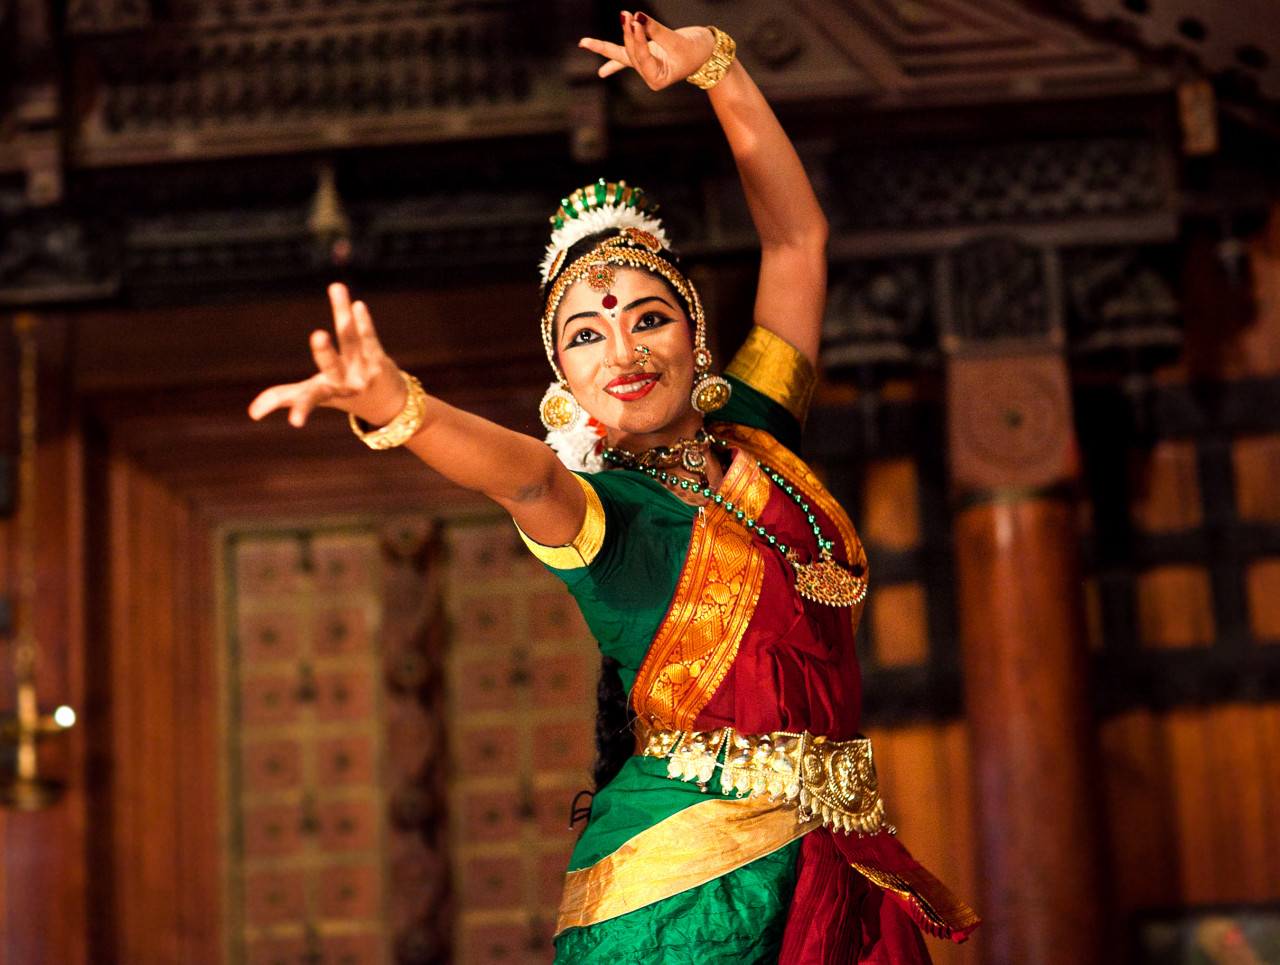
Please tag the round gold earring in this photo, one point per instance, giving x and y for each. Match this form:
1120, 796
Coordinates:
558, 408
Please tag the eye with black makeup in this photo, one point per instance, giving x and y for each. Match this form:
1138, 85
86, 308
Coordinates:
583, 336
651, 320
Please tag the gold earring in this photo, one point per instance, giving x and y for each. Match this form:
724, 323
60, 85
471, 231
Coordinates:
558, 408
710, 392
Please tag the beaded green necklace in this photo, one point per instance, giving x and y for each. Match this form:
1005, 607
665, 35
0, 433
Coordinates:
824, 580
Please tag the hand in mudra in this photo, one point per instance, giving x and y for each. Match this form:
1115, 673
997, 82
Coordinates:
356, 376
660, 55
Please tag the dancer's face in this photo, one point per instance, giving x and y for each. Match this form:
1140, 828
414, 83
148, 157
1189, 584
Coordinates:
637, 396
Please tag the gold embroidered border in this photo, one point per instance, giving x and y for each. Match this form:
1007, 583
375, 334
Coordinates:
940, 907
584, 547
778, 457
770, 364
690, 848
713, 603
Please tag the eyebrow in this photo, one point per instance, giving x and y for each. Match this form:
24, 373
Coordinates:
626, 308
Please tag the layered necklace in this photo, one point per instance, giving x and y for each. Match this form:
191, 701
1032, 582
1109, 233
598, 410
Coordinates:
824, 580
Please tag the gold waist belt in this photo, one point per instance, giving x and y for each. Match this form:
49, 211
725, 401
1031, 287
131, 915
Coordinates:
832, 780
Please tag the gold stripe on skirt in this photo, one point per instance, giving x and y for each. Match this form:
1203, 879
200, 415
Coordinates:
690, 848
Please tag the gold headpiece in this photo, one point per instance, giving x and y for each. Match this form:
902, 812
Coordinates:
633, 248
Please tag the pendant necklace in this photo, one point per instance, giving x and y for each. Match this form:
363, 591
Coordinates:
689, 454
824, 580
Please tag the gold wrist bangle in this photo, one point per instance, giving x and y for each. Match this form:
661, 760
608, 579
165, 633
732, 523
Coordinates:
403, 427
718, 64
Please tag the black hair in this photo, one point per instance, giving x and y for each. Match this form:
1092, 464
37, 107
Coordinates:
614, 740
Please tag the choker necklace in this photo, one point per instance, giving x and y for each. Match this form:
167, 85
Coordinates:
824, 580
689, 454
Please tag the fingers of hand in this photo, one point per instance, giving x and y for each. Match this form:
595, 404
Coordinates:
369, 343
615, 52
327, 359
610, 68
284, 396
343, 321
641, 52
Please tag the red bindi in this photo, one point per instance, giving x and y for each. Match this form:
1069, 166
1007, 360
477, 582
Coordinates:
609, 301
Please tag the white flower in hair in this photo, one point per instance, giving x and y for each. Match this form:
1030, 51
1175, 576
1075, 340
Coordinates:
601, 206
579, 445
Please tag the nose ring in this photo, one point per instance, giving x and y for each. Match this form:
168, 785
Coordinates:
643, 352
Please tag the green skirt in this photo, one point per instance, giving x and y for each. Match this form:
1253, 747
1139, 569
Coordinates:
736, 919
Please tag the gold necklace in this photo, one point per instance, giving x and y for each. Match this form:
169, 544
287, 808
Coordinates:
824, 580
691, 455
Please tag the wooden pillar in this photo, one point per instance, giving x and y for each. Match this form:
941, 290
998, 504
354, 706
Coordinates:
1024, 650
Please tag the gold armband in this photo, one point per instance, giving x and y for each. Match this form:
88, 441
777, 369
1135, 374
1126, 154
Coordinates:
584, 547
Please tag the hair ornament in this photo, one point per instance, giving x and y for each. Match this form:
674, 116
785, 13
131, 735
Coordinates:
599, 207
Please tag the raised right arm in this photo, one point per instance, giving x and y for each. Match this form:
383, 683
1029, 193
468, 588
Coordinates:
517, 471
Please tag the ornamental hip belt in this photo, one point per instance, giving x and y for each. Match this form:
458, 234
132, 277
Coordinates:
832, 780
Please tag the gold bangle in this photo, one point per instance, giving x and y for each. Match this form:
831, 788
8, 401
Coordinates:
403, 427
718, 64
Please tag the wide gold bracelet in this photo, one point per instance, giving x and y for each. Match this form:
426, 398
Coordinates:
718, 64
403, 427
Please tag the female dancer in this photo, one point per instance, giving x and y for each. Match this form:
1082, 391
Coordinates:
707, 559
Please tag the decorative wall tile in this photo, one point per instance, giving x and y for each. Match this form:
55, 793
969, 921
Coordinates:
273, 831
495, 944
486, 682
484, 620
277, 951
265, 637
345, 695
269, 700
487, 751
554, 616
345, 761
563, 745
341, 631
347, 826
492, 882
350, 892
564, 679
272, 765
490, 816
272, 897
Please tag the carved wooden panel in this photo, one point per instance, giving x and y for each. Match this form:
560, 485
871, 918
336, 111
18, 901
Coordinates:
522, 680
241, 78
334, 759
896, 52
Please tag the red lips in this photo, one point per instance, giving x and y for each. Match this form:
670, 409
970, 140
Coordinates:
644, 382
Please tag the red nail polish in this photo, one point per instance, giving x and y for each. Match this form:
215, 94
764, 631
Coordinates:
644, 20
623, 18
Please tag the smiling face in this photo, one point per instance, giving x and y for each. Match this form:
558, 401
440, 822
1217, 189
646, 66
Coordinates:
640, 405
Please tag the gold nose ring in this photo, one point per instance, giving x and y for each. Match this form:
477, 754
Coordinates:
643, 352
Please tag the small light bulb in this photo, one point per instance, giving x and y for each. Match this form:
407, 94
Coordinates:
64, 716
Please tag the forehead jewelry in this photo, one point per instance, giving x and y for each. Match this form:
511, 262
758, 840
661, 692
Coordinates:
633, 248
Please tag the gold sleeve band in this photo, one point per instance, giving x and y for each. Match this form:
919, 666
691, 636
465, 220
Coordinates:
585, 545
771, 365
